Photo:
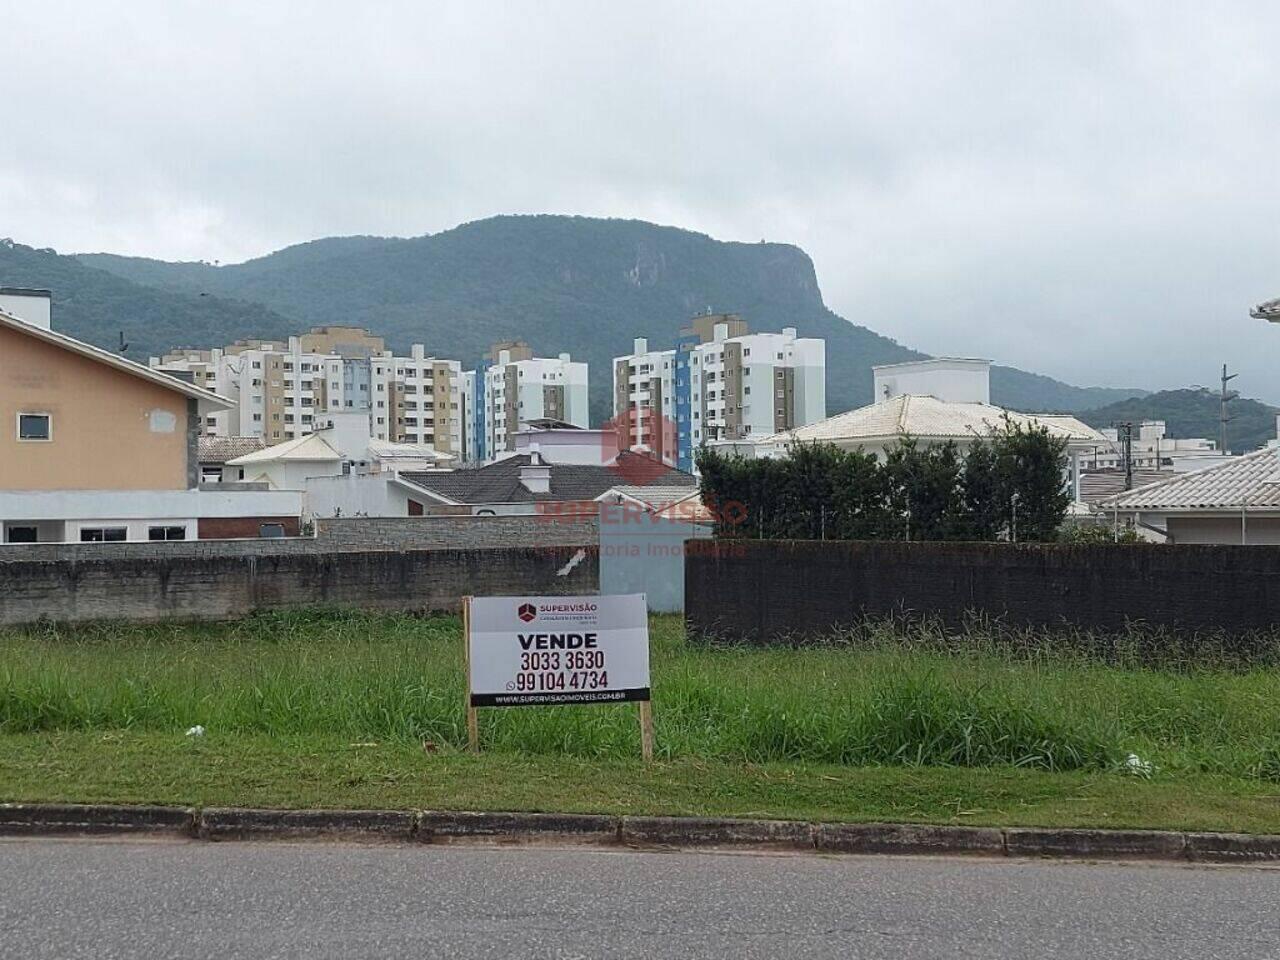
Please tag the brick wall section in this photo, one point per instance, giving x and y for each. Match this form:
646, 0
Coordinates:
342, 535
225, 587
227, 528
764, 590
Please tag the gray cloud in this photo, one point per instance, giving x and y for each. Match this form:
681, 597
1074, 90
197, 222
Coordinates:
1087, 190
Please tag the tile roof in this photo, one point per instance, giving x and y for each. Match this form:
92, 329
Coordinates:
1252, 480
1098, 485
222, 449
924, 416
500, 482
312, 447
1267, 311
388, 452
655, 496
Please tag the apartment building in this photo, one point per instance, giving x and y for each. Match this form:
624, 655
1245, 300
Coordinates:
512, 388
282, 388
720, 382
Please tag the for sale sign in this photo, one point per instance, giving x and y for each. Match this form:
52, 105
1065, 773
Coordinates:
532, 651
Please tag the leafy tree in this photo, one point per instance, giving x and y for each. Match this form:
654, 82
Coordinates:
1030, 465
1007, 486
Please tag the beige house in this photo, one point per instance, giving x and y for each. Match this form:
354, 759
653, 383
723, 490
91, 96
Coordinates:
94, 447
1234, 502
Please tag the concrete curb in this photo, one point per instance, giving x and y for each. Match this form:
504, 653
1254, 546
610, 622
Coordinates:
908, 838
443, 826
715, 832
447, 826
1096, 844
46, 819
226, 823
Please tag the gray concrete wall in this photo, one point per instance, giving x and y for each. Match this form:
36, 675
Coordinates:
225, 587
640, 553
341, 535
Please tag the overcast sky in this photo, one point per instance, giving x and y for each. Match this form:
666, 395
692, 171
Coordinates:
1086, 190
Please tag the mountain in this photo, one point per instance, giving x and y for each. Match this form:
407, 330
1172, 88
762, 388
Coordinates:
586, 286
96, 306
1194, 412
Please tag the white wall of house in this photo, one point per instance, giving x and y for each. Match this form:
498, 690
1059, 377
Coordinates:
290, 474
357, 495
570, 446
1254, 531
35, 307
950, 379
67, 512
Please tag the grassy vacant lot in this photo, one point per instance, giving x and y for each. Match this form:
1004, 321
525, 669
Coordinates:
346, 709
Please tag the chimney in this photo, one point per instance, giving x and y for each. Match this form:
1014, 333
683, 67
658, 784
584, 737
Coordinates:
536, 475
640, 345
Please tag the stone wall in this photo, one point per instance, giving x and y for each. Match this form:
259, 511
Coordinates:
214, 587
341, 535
769, 590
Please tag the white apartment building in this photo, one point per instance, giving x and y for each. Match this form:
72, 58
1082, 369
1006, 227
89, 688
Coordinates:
519, 388
719, 383
281, 388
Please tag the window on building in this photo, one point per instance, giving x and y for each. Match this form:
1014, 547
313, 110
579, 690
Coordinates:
166, 533
257, 418
35, 426
257, 364
211, 473
103, 534
210, 422
22, 535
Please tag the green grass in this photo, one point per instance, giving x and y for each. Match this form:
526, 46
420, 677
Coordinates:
333, 708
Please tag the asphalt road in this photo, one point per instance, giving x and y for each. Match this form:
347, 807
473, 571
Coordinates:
107, 899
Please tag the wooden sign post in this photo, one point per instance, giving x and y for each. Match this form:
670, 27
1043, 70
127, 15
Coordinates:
473, 721
541, 651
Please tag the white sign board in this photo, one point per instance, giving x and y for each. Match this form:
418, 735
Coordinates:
531, 651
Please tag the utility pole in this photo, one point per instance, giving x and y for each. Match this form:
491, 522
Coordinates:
1223, 419
1124, 429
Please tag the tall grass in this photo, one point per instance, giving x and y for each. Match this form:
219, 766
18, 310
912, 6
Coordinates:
926, 699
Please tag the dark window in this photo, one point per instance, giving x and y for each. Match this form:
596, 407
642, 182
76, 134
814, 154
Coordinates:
271, 531
22, 535
166, 533
103, 534
34, 426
